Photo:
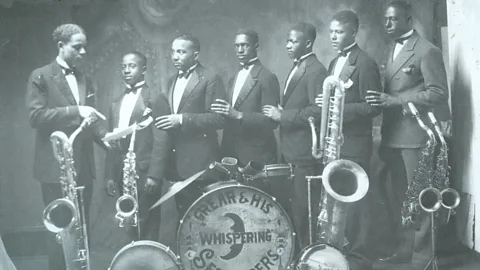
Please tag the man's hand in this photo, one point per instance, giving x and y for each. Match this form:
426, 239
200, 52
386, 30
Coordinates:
223, 107
168, 121
87, 111
381, 99
272, 112
319, 100
110, 187
150, 185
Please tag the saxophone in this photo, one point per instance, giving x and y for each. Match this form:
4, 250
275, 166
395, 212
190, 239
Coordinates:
66, 216
343, 181
127, 204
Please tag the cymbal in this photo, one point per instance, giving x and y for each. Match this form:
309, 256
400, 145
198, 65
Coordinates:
177, 187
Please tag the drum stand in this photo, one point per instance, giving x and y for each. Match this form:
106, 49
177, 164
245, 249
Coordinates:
433, 259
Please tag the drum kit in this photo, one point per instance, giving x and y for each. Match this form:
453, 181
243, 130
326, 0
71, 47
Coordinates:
233, 225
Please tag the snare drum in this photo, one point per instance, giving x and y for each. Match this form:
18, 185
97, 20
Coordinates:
233, 226
145, 255
321, 256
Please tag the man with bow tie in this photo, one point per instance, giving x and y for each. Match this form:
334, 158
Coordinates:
248, 134
134, 105
358, 72
415, 73
191, 124
302, 85
59, 97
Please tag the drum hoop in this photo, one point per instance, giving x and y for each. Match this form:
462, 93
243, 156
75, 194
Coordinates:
307, 250
236, 184
144, 243
279, 165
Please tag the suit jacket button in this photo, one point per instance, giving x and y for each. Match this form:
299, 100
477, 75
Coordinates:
173, 150
397, 78
205, 135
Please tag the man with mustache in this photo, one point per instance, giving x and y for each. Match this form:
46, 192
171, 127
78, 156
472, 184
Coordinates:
191, 124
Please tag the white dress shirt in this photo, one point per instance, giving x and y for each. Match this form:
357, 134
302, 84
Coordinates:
290, 76
399, 46
240, 81
128, 104
71, 80
180, 85
341, 61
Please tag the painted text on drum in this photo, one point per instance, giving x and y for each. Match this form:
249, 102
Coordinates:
235, 238
230, 197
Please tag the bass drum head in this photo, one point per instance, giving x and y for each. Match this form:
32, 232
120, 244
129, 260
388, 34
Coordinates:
321, 256
145, 255
233, 226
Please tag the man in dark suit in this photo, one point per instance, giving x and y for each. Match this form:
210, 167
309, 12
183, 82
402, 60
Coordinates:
191, 124
134, 105
59, 96
358, 72
414, 73
248, 134
302, 85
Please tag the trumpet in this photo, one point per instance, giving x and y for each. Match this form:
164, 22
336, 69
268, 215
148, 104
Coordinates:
66, 216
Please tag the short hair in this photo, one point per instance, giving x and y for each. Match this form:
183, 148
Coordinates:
307, 29
401, 5
65, 32
251, 34
347, 17
141, 56
192, 39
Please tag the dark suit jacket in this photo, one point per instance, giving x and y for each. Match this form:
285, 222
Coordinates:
416, 75
252, 138
143, 138
52, 107
299, 104
360, 73
195, 143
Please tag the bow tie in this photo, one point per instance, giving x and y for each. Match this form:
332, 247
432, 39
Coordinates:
342, 54
245, 65
297, 62
185, 74
68, 71
133, 89
401, 41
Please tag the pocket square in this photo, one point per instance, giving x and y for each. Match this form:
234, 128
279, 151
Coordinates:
91, 95
348, 84
410, 69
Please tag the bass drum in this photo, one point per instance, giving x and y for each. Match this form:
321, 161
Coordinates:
233, 226
145, 255
321, 256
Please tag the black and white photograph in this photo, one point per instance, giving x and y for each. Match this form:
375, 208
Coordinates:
239, 135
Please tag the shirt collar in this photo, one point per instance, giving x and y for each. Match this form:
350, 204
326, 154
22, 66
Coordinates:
346, 49
189, 70
303, 57
137, 85
408, 34
62, 63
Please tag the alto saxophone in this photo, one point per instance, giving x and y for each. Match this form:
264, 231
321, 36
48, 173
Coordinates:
66, 216
127, 204
344, 181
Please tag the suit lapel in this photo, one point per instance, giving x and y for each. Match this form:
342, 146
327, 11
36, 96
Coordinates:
62, 84
142, 103
248, 85
192, 83
116, 110
295, 79
81, 85
350, 65
405, 54
231, 86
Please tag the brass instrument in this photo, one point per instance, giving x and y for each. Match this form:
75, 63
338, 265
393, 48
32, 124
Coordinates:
127, 204
344, 181
66, 216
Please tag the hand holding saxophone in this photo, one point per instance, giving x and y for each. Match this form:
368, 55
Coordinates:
110, 187
150, 185
319, 100
380, 99
90, 112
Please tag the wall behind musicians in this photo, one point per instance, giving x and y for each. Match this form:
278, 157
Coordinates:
119, 26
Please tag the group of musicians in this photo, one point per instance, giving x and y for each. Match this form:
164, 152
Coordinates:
187, 115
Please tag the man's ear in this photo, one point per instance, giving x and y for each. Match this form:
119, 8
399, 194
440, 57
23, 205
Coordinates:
309, 43
144, 70
256, 46
195, 55
60, 44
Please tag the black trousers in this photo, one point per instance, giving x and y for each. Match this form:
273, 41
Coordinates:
51, 192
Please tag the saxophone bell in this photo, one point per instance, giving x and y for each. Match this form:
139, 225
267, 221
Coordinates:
345, 181
450, 198
430, 199
126, 207
59, 215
